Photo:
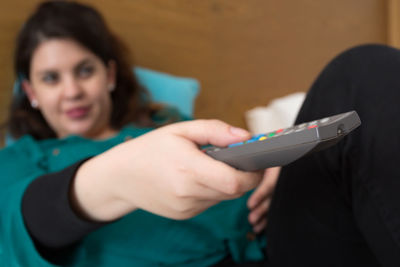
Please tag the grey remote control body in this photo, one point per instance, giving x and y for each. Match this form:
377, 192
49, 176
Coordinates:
284, 146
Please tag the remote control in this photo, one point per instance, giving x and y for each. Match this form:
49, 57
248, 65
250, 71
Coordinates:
284, 146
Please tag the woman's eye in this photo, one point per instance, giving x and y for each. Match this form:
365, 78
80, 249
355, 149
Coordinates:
50, 78
85, 71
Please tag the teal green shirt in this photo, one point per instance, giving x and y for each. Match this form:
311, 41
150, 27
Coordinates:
138, 239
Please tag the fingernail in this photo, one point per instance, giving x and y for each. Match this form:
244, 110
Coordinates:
239, 131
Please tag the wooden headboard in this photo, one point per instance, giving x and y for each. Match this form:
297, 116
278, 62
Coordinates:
244, 53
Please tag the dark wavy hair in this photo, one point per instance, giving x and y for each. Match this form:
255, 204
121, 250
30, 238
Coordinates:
83, 24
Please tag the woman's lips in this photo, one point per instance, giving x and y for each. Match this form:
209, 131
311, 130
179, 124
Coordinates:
77, 113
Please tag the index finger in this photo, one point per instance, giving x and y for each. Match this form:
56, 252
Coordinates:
224, 178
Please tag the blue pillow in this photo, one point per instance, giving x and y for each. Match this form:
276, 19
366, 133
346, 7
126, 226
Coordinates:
179, 92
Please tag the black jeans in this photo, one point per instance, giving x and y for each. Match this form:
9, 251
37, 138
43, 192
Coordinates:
341, 206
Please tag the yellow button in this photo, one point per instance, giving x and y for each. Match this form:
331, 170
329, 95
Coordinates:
262, 138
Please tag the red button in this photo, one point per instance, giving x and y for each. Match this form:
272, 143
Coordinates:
312, 126
280, 130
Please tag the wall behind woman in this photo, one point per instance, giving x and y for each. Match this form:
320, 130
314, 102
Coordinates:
245, 53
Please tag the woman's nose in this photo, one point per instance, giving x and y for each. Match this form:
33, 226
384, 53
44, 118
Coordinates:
72, 89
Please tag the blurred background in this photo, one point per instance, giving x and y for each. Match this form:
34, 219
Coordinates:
244, 53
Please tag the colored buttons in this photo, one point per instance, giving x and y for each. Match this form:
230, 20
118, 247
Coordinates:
288, 131
301, 126
236, 144
256, 137
325, 120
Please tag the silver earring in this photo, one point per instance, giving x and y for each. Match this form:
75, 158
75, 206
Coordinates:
34, 103
111, 87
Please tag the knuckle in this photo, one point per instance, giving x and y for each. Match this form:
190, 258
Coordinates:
233, 187
182, 187
180, 190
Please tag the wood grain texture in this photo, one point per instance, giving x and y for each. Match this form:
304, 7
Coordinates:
393, 17
12, 15
244, 53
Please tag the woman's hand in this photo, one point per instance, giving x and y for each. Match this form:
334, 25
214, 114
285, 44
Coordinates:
163, 172
260, 200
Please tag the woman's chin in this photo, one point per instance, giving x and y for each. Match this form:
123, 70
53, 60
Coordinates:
84, 128
80, 130
92, 133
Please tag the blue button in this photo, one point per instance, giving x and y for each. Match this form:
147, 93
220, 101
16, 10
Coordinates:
256, 137
236, 144
250, 141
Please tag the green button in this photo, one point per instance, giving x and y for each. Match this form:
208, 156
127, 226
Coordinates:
271, 134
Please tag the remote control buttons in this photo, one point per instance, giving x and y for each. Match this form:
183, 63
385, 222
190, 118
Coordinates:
279, 132
301, 126
288, 131
324, 120
256, 137
250, 141
259, 137
262, 137
236, 144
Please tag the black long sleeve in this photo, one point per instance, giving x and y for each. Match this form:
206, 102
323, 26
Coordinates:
49, 217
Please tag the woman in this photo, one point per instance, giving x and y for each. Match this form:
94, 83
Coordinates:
71, 172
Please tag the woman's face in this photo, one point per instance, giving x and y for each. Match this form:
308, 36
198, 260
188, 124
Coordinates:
72, 88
